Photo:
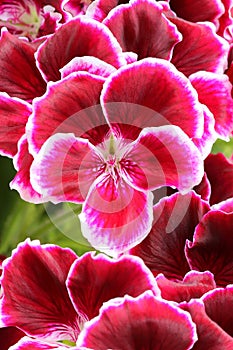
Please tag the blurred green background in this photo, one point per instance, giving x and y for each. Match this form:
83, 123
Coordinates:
19, 219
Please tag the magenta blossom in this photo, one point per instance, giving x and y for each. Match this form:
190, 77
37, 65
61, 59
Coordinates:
112, 171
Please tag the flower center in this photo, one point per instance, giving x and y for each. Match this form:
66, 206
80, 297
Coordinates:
21, 18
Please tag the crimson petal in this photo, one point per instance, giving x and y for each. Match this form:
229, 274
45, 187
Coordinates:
66, 107
194, 285
127, 23
200, 49
84, 37
35, 297
94, 280
151, 93
9, 336
14, 115
30, 344
175, 219
19, 76
214, 90
144, 322
212, 247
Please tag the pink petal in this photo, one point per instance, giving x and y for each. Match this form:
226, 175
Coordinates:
30, 344
84, 37
226, 206
137, 323
175, 219
199, 10
115, 216
200, 49
194, 285
35, 297
210, 335
212, 247
89, 64
66, 107
226, 21
219, 171
156, 39
22, 182
14, 115
151, 92
214, 90
203, 188
163, 156
99, 9
19, 76
9, 336
65, 168
94, 280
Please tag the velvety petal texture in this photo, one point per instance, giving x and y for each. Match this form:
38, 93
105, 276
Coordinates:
9, 336
71, 108
127, 23
214, 90
200, 48
137, 323
194, 285
14, 115
85, 37
22, 181
175, 219
211, 248
157, 85
19, 76
94, 280
30, 344
35, 297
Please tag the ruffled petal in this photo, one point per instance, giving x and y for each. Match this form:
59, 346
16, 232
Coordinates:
134, 324
163, 156
212, 247
151, 93
94, 280
84, 37
65, 168
200, 50
156, 39
14, 115
88, 64
19, 76
214, 90
67, 107
175, 219
22, 182
35, 297
194, 285
115, 216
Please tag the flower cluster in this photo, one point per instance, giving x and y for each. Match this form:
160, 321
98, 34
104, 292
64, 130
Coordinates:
116, 105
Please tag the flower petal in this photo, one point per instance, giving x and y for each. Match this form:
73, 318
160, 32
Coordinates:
127, 23
151, 93
94, 280
35, 297
65, 168
30, 344
19, 76
212, 247
89, 64
163, 156
14, 115
214, 90
9, 336
67, 107
115, 216
200, 50
175, 219
22, 182
84, 37
194, 285
133, 324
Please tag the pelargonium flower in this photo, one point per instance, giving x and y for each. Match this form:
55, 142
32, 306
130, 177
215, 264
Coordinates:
113, 172
49, 292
